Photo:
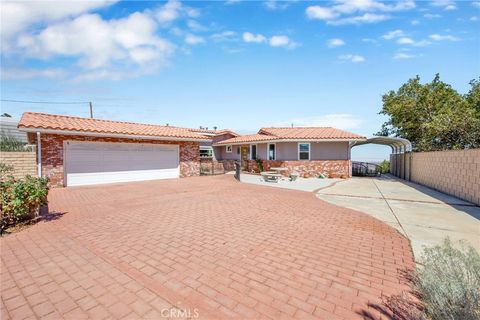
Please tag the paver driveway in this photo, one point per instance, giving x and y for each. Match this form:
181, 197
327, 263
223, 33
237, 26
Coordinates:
207, 245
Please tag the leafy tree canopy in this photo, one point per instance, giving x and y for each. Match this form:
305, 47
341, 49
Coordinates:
433, 116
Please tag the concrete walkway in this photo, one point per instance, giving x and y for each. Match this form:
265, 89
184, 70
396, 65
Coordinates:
423, 215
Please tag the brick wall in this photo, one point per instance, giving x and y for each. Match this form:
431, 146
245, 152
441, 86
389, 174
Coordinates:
307, 169
456, 172
24, 163
52, 154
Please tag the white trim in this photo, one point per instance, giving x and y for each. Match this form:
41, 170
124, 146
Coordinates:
256, 150
39, 155
274, 153
113, 135
227, 147
289, 140
309, 150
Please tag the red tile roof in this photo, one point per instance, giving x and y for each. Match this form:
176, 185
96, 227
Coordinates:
296, 133
214, 132
44, 121
310, 133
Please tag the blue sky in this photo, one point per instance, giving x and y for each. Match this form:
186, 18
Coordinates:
234, 64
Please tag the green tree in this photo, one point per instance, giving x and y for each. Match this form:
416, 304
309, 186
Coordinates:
433, 116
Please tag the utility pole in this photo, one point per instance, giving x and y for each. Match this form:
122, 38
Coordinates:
91, 109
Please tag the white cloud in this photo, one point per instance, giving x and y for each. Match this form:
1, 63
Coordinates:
412, 42
230, 2
172, 10
119, 44
274, 41
432, 16
196, 26
16, 74
393, 34
357, 11
474, 18
476, 4
414, 22
343, 121
320, 13
365, 18
405, 40
277, 5
403, 55
445, 4
333, 43
369, 40
224, 36
256, 38
349, 6
351, 58
19, 16
282, 41
439, 37
192, 39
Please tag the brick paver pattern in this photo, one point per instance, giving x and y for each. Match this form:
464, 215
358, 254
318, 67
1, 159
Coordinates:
207, 246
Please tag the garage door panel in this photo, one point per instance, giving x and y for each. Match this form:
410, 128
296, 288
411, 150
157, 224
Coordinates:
97, 163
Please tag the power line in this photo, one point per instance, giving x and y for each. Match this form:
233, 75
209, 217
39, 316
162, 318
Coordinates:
45, 102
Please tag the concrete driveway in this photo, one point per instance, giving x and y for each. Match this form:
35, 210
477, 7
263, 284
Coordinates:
424, 215
208, 246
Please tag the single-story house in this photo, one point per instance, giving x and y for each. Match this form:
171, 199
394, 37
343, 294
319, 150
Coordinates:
308, 151
82, 151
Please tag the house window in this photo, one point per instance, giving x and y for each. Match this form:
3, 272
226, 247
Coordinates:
271, 152
253, 152
304, 151
206, 152
228, 149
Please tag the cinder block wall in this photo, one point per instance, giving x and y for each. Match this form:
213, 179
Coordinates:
24, 163
455, 172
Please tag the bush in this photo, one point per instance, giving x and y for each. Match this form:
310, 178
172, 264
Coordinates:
9, 144
21, 199
5, 170
384, 166
259, 164
449, 282
446, 285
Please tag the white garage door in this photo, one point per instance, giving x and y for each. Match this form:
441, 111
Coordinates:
102, 162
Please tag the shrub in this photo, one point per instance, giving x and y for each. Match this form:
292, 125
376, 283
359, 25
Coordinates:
5, 170
449, 282
384, 166
21, 199
446, 285
259, 164
8, 143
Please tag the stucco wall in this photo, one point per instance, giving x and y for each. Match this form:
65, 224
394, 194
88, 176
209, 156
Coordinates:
456, 172
23, 163
288, 151
52, 154
222, 154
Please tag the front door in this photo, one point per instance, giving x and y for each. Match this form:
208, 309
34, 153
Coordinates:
244, 157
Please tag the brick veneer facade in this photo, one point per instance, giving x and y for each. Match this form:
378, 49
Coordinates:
52, 154
23, 163
307, 169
